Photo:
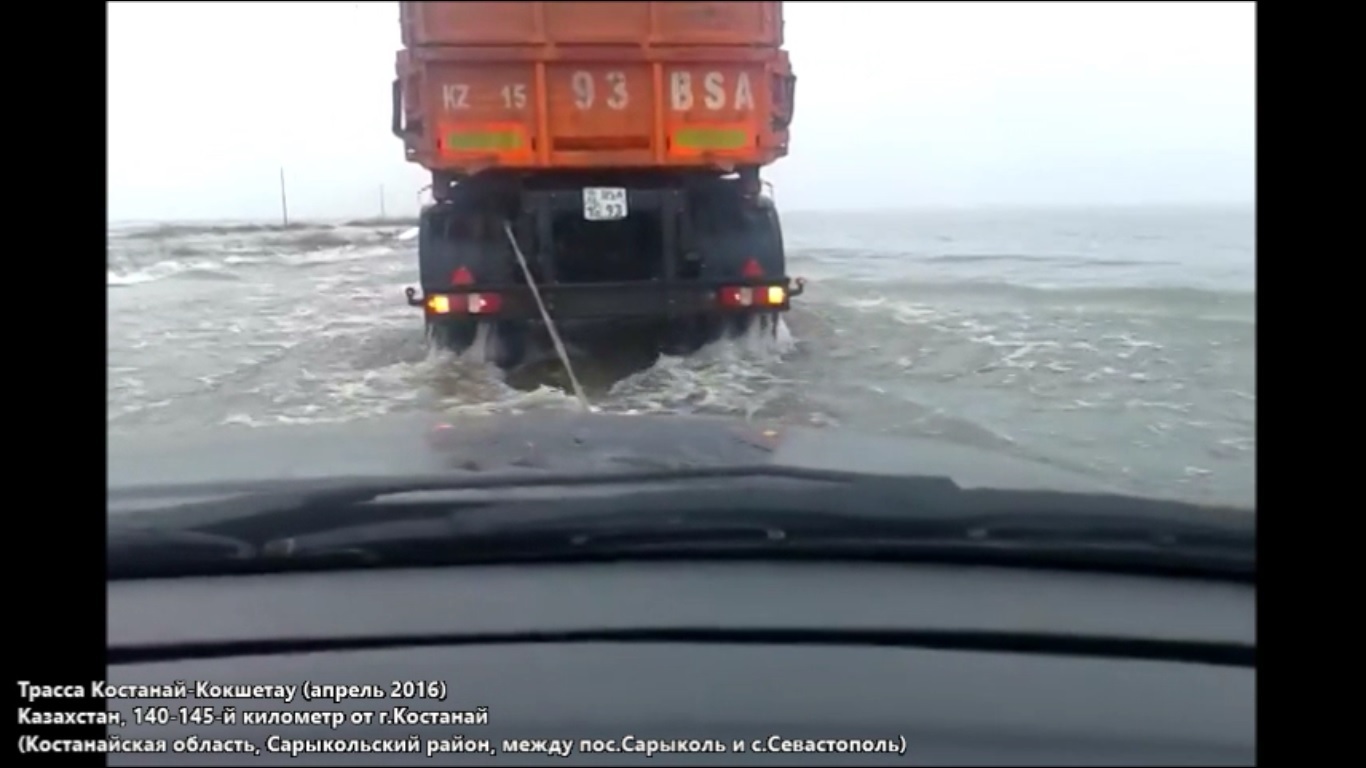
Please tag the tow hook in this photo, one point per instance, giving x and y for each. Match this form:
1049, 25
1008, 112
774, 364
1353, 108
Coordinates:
413, 300
798, 287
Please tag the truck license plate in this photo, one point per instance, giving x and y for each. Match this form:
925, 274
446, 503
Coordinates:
604, 203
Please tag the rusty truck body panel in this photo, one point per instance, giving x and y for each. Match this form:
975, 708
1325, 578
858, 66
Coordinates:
595, 162
598, 23
580, 85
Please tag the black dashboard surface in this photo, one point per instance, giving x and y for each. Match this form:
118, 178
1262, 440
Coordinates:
945, 707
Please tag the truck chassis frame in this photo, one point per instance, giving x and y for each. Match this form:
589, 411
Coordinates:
694, 258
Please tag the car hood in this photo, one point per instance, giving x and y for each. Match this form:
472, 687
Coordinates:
560, 443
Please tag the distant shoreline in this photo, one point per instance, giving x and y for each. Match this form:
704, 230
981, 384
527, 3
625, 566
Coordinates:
232, 226
262, 225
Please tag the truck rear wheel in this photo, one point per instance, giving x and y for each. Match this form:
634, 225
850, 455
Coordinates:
461, 240
734, 231
502, 343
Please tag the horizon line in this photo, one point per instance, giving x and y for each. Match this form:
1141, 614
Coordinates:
923, 208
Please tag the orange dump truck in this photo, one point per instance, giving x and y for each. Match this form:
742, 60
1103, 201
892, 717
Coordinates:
595, 163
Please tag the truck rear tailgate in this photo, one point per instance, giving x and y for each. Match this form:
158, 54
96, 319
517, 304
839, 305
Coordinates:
590, 23
592, 106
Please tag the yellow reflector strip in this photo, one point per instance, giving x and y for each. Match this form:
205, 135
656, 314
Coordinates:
776, 294
482, 141
711, 138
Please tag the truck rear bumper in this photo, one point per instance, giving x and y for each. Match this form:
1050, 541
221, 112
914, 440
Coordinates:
587, 301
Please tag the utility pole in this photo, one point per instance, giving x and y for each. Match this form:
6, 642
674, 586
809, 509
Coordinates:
284, 201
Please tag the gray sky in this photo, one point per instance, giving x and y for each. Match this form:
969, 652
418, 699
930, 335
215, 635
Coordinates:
898, 105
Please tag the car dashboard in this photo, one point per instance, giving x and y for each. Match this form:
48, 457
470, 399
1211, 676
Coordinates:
630, 663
